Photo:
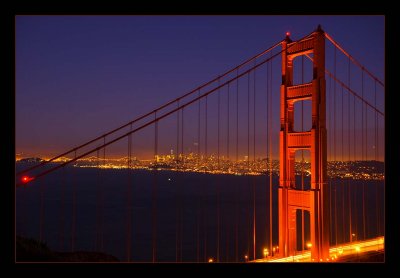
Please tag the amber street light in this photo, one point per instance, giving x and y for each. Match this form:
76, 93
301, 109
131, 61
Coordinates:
358, 249
266, 252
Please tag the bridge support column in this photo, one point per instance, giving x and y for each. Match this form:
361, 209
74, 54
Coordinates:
315, 200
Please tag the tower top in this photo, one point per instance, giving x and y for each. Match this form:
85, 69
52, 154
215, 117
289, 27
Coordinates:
287, 37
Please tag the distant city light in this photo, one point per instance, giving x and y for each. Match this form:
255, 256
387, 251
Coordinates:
194, 162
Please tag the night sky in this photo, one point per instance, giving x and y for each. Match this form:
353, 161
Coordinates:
79, 76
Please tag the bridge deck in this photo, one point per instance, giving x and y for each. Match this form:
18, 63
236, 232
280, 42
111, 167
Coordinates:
357, 248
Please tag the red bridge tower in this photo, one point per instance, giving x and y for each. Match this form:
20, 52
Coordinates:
315, 200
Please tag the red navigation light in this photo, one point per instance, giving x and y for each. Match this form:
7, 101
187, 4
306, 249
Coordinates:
287, 34
26, 179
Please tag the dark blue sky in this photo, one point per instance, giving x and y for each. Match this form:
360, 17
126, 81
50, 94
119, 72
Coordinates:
79, 76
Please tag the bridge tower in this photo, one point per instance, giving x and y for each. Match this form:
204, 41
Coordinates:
315, 200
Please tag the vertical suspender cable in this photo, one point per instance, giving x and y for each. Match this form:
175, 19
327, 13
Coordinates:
218, 123
219, 168
237, 161
380, 226
205, 169
302, 154
41, 211
330, 123
177, 132
181, 199
198, 167
270, 153
329, 150
62, 214
254, 162
366, 233
73, 230
228, 123
268, 204
334, 111
348, 167
334, 141
177, 161
330, 143
129, 196
97, 239
248, 122
228, 165
376, 164
342, 181
206, 131
154, 193
182, 142
355, 159
198, 132
248, 159
362, 151
102, 202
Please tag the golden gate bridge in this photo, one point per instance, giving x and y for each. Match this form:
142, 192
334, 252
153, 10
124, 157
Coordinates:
326, 132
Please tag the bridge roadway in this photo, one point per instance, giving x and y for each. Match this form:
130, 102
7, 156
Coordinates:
356, 248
